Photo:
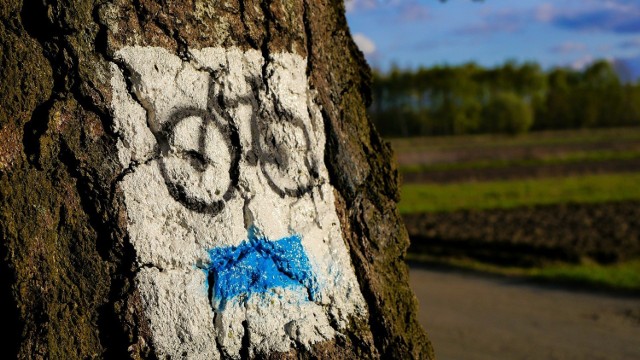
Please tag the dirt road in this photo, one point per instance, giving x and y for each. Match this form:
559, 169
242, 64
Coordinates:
476, 317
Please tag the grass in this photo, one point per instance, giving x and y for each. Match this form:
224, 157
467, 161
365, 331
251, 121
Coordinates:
419, 198
529, 150
622, 276
575, 157
541, 138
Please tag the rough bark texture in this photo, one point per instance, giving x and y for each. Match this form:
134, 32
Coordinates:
67, 269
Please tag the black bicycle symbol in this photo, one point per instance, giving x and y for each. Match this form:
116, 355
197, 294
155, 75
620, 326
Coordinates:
203, 180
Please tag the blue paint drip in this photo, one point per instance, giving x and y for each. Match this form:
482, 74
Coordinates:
257, 266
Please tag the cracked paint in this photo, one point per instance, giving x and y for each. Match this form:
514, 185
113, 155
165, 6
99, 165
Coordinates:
216, 145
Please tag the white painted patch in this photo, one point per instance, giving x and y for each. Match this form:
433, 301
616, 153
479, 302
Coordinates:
182, 126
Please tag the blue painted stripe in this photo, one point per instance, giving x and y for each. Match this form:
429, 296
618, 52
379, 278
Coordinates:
257, 266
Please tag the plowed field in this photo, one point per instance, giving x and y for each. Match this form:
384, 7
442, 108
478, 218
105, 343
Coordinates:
526, 205
604, 233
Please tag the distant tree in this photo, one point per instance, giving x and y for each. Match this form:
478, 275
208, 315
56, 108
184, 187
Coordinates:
449, 100
557, 111
602, 96
507, 113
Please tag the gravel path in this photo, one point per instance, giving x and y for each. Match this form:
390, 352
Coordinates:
478, 317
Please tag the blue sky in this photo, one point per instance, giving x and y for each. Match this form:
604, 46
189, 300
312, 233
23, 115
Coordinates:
412, 33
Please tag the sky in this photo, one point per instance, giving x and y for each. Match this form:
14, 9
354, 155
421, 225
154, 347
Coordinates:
413, 33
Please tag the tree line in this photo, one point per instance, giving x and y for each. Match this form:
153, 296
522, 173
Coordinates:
512, 98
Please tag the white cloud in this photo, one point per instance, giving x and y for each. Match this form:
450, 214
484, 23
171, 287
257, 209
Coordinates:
354, 5
413, 11
582, 62
507, 20
545, 13
366, 45
631, 43
569, 47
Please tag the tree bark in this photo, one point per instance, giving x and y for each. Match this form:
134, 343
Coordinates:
77, 281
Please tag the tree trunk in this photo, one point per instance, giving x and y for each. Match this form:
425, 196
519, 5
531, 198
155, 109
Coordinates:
196, 179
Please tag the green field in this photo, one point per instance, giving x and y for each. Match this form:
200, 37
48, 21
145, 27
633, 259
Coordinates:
543, 138
427, 197
620, 276
562, 159
624, 276
597, 166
